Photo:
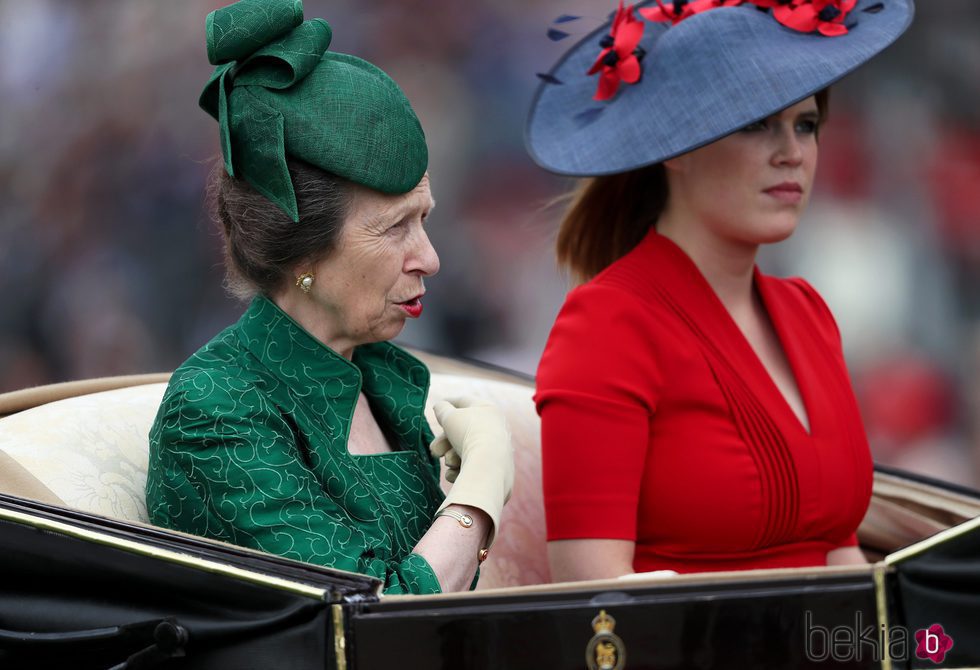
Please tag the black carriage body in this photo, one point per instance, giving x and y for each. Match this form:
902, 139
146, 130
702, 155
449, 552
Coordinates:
83, 591
78, 591
731, 622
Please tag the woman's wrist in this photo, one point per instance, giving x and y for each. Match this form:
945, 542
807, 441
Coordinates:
473, 520
478, 514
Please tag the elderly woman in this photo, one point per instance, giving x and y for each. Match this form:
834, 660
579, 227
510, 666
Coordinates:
696, 413
300, 430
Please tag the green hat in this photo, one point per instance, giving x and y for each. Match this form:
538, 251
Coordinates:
277, 91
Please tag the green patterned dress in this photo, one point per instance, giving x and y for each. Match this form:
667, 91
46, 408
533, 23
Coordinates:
250, 447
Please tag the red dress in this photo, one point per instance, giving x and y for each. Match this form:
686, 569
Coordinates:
661, 425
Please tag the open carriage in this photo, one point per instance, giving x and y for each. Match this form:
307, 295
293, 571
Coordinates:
87, 583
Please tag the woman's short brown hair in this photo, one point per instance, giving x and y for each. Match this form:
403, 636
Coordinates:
262, 244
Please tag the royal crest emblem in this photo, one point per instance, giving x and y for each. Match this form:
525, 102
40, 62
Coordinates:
605, 650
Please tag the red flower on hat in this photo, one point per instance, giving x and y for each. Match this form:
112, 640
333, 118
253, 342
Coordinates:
619, 59
807, 16
682, 9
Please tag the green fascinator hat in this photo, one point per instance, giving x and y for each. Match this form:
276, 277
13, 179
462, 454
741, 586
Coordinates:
277, 91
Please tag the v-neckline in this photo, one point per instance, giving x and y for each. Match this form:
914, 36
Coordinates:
787, 344
744, 348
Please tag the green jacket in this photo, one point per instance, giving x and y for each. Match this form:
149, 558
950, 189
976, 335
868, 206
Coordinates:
250, 446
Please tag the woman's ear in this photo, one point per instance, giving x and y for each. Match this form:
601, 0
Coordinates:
299, 275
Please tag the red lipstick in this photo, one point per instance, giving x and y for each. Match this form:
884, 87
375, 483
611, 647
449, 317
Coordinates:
412, 307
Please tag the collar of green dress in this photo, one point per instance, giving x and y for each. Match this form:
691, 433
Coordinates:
395, 381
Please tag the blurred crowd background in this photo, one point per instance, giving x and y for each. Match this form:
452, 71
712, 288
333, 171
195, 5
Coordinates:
109, 264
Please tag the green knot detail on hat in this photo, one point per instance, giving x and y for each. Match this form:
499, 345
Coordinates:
239, 30
278, 91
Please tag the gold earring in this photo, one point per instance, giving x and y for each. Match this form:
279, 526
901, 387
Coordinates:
305, 282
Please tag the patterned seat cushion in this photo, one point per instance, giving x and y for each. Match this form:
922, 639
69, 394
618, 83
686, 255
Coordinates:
90, 450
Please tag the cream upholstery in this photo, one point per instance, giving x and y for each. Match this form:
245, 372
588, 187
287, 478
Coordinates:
91, 452
17, 480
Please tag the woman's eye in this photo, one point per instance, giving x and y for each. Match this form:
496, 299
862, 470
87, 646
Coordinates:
397, 228
754, 127
807, 127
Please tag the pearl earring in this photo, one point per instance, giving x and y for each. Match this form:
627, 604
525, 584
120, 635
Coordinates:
305, 282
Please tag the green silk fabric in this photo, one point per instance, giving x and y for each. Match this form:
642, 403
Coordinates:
278, 92
250, 447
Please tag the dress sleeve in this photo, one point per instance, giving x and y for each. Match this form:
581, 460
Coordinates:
227, 466
596, 393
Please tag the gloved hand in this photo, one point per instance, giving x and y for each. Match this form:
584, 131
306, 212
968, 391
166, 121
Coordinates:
450, 458
476, 444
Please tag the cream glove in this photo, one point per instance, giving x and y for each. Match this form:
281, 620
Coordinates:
476, 444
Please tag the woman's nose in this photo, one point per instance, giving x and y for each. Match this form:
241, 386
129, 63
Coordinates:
789, 150
424, 260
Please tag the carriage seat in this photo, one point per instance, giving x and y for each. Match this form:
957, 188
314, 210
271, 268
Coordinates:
90, 451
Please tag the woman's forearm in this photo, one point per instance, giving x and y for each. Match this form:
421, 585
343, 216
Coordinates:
452, 550
577, 560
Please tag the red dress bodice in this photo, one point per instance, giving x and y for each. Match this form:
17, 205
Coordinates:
661, 425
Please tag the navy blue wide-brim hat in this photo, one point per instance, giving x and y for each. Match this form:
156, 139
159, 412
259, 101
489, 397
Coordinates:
701, 79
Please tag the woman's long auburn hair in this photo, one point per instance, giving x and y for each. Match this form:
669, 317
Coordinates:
609, 215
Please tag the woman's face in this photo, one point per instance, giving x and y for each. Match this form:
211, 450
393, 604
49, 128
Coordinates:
372, 281
751, 186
